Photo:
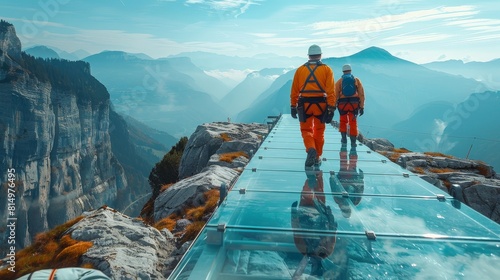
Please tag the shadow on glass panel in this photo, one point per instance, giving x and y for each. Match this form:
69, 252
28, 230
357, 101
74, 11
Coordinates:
312, 214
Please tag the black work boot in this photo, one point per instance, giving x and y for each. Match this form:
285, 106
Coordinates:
353, 141
317, 162
344, 137
311, 157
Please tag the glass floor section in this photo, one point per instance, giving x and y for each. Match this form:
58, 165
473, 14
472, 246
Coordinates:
356, 216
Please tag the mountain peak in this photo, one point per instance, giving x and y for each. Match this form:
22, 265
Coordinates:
42, 51
374, 53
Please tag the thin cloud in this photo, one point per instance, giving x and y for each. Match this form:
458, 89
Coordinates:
482, 38
394, 2
34, 22
236, 7
414, 39
282, 41
479, 25
263, 35
390, 22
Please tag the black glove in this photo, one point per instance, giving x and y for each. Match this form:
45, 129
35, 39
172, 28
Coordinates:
361, 111
293, 111
330, 111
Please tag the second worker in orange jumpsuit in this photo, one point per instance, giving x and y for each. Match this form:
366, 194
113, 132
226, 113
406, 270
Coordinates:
350, 102
313, 99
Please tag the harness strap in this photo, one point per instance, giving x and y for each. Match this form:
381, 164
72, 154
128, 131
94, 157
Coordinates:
312, 101
52, 274
312, 78
348, 104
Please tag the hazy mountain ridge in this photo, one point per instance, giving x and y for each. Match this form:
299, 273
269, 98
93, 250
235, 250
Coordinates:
463, 130
473, 129
48, 52
485, 72
159, 92
211, 61
42, 51
250, 89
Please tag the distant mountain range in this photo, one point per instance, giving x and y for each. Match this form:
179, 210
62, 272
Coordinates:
211, 61
51, 52
246, 92
405, 102
473, 130
485, 72
172, 95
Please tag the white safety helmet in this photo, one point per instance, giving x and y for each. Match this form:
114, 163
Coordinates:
346, 67
314, 50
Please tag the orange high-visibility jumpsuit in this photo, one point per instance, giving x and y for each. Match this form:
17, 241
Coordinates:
307, 87
348, 110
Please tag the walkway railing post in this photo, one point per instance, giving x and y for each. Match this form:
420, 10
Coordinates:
222, 193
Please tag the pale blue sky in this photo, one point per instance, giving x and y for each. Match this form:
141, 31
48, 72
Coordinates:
419, 31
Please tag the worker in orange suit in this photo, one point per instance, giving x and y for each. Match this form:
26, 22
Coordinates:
312, 100
350, 103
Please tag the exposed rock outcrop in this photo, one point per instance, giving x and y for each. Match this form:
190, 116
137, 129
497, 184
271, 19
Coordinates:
473, 182
218, 138
124, 248
189, 192
379, 144
201, 168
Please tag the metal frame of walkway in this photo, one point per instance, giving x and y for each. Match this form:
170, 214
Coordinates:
357, 216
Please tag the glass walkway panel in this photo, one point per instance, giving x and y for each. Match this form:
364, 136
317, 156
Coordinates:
356, 216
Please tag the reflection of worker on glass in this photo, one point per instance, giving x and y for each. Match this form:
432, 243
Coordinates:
349, 180
312, 214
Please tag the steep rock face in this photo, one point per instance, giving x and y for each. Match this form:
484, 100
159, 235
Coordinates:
57, 141
10, 44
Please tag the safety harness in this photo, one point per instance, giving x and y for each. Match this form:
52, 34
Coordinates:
350, 103
312, 100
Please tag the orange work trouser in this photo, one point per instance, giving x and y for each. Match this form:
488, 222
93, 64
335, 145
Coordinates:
313, 130
349, 119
